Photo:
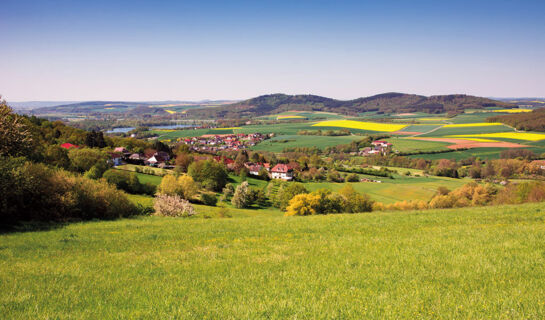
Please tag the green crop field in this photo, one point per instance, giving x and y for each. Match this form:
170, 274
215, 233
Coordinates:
406, 145
279, 143
472, 117
467, 130
393, 190
439, 264
148, 178
420, 127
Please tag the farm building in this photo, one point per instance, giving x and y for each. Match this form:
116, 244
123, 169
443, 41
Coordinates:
282, 171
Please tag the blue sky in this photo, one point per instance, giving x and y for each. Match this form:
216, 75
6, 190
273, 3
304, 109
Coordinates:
160, 50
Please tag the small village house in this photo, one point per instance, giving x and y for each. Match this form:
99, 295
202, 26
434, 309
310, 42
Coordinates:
282, 171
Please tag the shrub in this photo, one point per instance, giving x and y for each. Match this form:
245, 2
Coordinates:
242, 197
187, 187
286, 192
128, 181
352, 177
354, 201
227, 192
258, 197
209, 173
85, 158
172, 206
209, 199
35, 192
302, 205
183, 186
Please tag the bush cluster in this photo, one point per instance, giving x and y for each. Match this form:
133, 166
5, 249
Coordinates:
172, 206
128, 181
33, 191
323, 201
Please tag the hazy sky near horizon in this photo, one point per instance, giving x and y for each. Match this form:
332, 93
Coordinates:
192, 50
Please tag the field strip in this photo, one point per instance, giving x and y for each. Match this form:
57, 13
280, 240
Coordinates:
476, 124
432, 130
513, 110
351, 124
506, 135
458, 143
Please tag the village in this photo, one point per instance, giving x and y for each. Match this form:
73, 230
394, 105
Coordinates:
211, 143
214, 143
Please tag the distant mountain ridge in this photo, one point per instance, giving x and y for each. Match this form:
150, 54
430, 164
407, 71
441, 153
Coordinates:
93, 106
392, 102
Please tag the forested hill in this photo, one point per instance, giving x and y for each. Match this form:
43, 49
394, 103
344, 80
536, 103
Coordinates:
387, 102
528, 121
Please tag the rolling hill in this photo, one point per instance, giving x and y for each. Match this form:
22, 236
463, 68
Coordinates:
383, 103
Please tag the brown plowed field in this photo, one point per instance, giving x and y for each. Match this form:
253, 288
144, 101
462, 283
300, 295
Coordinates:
468, 144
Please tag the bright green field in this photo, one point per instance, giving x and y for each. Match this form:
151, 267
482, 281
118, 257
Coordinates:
398, 189
406, 145
420, 127
441, 132
276, 144
438, 264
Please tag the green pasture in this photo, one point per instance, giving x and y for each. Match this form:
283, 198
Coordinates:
279, 143
420, 127
393, 190
475, 117
483, 153
133, 167
408, 145
441, 132
470, 263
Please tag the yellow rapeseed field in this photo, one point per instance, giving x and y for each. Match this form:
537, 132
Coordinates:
476, 124
513, 110
351, 124
170, 111
289, 117
506, 135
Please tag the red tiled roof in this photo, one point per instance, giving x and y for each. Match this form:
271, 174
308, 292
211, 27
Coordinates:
67, 145
282, 168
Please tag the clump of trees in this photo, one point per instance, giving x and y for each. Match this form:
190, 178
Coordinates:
209, 173
330, 133
33, 191
474, 194
128, 181
245, 196
183, 186
323, 201
15, 136
528, 121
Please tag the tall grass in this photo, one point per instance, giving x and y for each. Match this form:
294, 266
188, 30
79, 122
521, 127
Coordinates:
439, 264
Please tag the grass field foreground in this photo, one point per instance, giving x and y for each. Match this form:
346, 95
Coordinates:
439, 264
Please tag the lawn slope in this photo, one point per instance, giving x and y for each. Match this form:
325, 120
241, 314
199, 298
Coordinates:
438, 264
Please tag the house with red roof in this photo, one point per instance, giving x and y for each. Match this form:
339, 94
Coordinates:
282, 171
67, 145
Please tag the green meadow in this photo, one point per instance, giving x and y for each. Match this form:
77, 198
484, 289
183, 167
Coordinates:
445, 131
393, 190
408, 145
485, 262
279, 143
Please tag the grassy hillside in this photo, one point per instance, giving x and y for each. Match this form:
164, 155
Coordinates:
438, 264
